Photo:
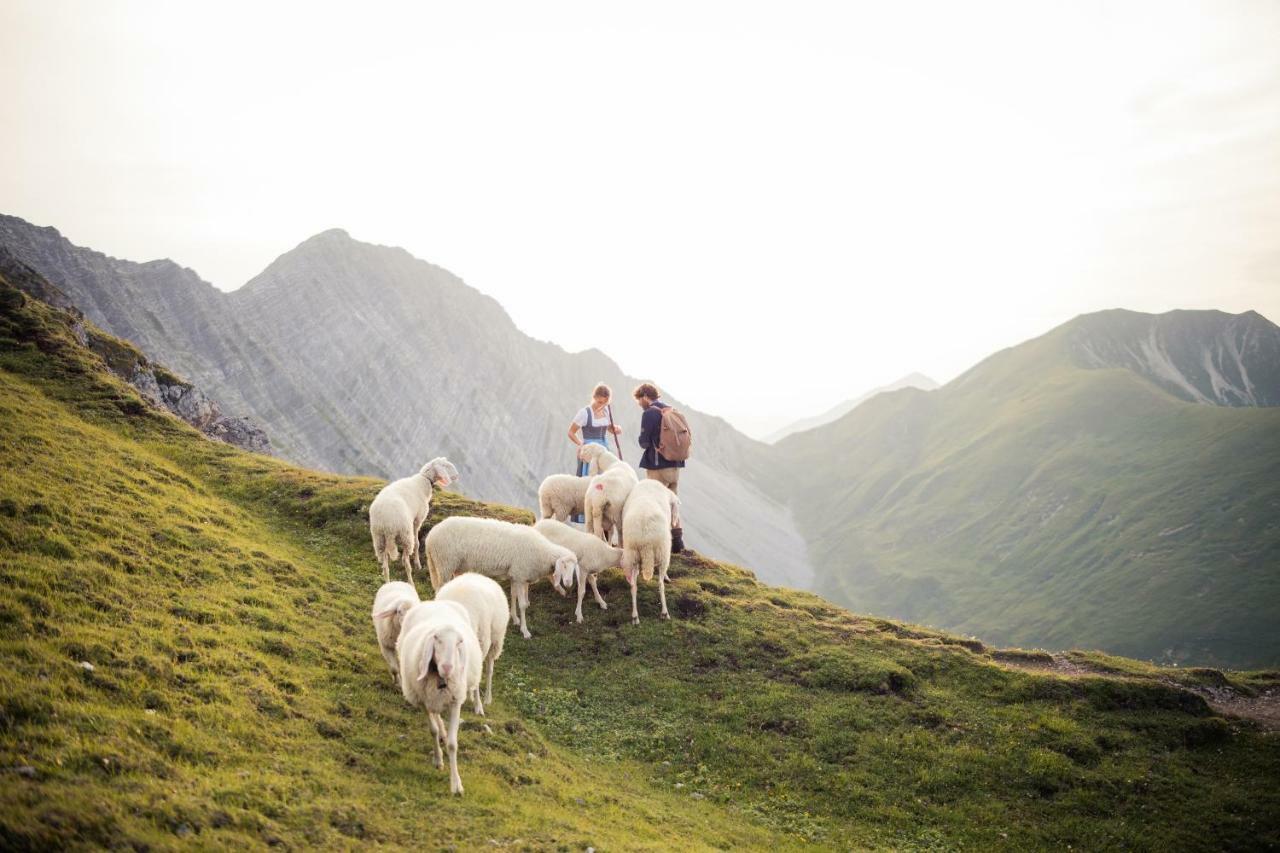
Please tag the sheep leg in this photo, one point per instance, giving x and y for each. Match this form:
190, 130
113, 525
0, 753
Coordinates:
635, 614
515, 605
455, 781
488, 689
582, 590
434, 571
389, 656
476, 705
662, 596
437, 733
524, 617
595, 587
386, 565
406, 557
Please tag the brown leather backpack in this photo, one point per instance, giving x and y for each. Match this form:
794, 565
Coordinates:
675, 439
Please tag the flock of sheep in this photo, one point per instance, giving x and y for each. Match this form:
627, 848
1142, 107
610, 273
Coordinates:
438, 651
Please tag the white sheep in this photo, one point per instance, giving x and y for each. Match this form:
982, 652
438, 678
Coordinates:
647, 519
499, 549
415, 615
440, 665
392, 602
606, 495
597, 457
561, 496
487, 605
594, 556
397, 513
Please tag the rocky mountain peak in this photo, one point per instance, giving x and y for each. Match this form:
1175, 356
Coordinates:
1208, 357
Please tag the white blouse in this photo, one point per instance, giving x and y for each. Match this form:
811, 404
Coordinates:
586, 413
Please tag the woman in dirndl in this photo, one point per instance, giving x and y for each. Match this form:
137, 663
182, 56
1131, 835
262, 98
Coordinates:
592, 425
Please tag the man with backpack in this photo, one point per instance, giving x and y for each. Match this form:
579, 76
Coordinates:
665, 439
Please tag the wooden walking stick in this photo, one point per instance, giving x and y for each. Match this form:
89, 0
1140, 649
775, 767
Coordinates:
616, 443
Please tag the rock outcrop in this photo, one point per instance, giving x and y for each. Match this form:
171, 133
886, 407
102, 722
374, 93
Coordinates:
157, 385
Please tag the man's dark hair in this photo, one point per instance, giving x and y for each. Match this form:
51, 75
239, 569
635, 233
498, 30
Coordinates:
645, 389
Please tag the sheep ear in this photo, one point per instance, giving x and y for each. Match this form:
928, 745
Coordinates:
384, 614
426, 657
462, 659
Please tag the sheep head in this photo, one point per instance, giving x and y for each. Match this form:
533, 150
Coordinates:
566, 569
449, 653
395, 614
441, 471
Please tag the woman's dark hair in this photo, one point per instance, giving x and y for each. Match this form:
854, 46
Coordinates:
645, 389
602, 390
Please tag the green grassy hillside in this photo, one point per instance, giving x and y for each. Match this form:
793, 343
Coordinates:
234, 695
1037, 503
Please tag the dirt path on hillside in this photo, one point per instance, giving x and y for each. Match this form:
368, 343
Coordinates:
1263, 709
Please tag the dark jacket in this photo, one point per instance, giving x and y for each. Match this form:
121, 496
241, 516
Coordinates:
650, 433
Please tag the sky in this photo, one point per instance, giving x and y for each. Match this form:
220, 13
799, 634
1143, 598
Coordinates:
767, 208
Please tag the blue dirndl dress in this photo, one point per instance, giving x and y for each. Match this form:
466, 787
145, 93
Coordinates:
591, 435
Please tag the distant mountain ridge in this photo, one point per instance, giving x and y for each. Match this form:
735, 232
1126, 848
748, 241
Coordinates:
362, 359
1202, 356
1067, 491
911, 380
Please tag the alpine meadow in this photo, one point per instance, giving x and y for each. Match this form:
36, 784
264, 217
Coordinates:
190, 661
587, 428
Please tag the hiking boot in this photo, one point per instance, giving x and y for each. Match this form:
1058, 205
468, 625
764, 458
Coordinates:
677, 540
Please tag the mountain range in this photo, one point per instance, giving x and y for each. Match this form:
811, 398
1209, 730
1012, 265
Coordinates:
1114, 483
361, 359
911, 380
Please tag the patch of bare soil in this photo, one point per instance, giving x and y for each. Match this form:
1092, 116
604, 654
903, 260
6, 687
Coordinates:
1263, 709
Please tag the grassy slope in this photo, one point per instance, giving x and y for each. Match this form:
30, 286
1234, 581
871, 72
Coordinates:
237, 695
1035, 503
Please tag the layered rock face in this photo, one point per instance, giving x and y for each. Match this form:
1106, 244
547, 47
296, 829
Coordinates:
1203, 356
158, 386
362, 359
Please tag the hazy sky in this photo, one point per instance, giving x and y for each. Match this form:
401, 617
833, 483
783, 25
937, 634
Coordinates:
767, 208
